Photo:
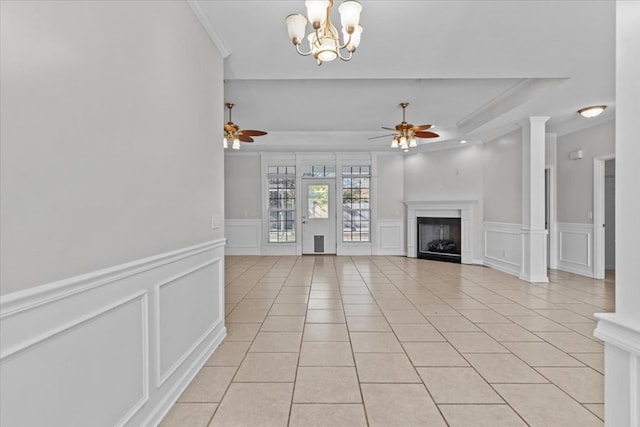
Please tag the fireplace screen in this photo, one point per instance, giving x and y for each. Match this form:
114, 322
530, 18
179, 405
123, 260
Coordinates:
439, 239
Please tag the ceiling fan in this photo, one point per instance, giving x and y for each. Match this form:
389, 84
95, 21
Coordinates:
406, 133
233, 134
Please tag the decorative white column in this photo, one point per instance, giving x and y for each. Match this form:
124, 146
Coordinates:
621, 330
534, 234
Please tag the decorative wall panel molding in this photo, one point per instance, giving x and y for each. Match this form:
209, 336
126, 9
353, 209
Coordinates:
72, 345
503, 246
244, 236
575, 243
389, 237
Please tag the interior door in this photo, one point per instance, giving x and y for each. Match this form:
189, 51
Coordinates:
318, 216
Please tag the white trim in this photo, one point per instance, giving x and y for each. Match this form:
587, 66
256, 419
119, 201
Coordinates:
598, 214
622, 369
553, 217
466, 211
568, 261
244, 236
384, 245
33, 297
196, 7
161, 377
509, 253
65, 313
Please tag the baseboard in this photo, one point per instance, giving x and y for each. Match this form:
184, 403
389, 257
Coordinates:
133, 335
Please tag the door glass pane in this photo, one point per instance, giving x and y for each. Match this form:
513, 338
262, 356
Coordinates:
318, 201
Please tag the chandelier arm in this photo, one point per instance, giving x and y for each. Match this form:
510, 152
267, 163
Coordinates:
302, 53
345, 58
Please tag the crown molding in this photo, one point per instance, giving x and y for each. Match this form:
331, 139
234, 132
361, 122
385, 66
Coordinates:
196, 7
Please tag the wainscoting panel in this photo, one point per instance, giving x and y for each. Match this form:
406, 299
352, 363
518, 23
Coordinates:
503, 246
114, 347
575, 243
244, 236
390, 237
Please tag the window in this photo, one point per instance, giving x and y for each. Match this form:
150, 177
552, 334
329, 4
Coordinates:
282, 203
319, 171
355, 203
318, 201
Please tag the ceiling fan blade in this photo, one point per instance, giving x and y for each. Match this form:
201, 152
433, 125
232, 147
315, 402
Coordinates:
249, 132
426, 135
421, 127
383, 127
382, 136
244, 138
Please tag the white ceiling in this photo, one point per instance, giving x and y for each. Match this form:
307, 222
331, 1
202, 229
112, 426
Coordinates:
471, 68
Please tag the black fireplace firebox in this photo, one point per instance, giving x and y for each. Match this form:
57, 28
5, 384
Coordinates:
439, 239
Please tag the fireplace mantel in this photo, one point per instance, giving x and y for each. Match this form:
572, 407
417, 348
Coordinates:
463, 209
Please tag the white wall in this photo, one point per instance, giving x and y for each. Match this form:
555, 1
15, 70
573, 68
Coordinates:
242, 183
502, 162
502, 201
444, 175
621, 330
112, 277
575, 195
389, 233
110, 122
575, 177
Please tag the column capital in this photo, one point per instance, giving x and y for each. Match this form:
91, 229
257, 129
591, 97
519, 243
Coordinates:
538, 119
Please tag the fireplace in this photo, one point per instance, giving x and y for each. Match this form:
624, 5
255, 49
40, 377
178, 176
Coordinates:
465, 210
439, 239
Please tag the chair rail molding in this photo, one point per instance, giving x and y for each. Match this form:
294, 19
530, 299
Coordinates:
133, 335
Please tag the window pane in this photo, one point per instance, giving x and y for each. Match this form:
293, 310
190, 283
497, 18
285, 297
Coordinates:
282, 214
318, 201
355, 203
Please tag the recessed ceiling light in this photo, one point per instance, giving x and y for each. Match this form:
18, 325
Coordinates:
593, 111
463, 141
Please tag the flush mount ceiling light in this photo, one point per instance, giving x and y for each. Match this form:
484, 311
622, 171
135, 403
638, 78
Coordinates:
324, 42
234, 135
593, 111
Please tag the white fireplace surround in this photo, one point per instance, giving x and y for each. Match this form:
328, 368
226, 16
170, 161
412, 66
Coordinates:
463, 209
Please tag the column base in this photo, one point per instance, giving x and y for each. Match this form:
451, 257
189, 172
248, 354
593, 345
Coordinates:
622, 370
534, 256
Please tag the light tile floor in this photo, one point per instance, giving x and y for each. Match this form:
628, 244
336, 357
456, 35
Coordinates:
393, 341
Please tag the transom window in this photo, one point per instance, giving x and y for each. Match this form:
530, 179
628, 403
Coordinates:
282, 203
319, 171
355, 203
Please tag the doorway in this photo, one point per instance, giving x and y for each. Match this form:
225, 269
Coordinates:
318, 216
603, 214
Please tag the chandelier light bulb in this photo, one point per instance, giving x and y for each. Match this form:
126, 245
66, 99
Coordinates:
403, 142
413, 142
236, 144
296, 25
394, 143
317, 12
350, 14
225, 143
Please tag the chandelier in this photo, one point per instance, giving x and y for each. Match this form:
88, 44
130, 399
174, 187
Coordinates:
324, 42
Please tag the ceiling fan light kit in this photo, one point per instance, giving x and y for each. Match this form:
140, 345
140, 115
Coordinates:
407, 134
324, 40
593, 111
234, 135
